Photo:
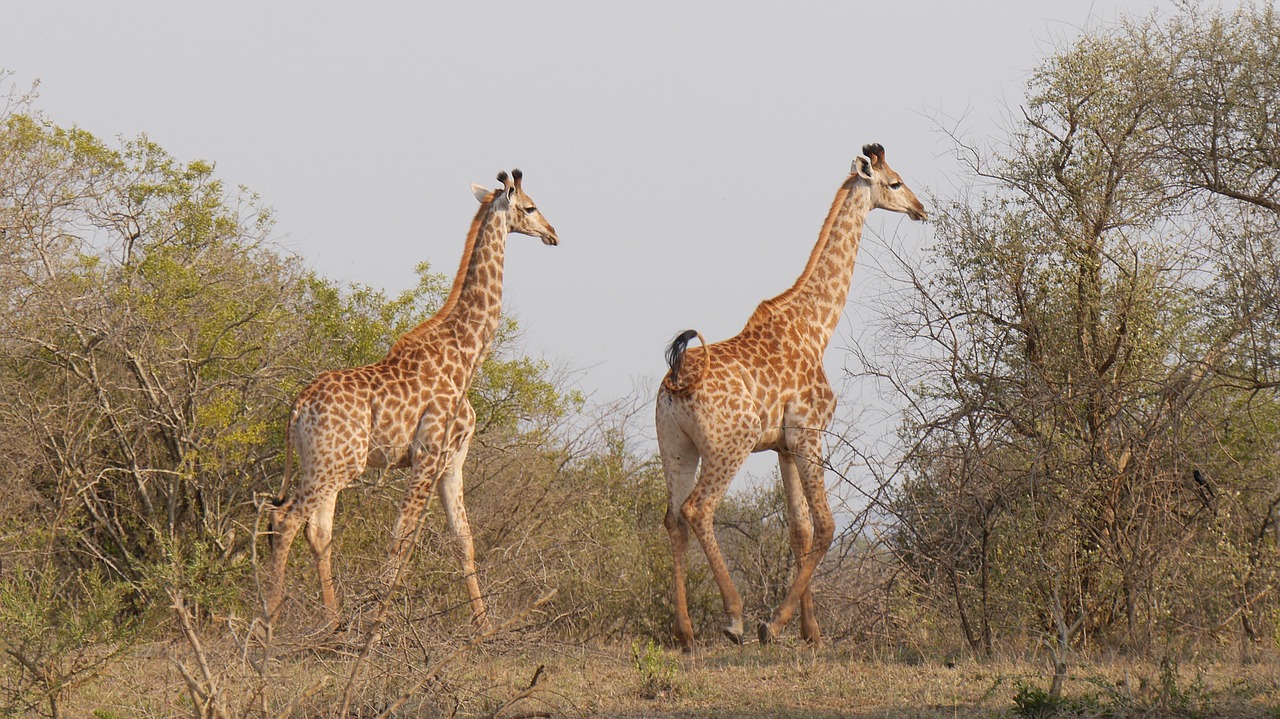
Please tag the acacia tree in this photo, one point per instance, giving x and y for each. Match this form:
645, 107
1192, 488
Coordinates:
1073, 433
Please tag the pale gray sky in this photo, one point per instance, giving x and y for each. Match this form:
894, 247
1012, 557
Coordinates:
686, 152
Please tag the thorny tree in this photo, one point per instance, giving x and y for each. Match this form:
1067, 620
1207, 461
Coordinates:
1089, 358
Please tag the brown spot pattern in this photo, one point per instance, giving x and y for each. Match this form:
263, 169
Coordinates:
765, 389
408, 409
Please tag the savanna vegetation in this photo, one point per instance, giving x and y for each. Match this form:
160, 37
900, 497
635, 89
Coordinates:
1079, 513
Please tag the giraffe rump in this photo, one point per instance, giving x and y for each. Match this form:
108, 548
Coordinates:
675, 360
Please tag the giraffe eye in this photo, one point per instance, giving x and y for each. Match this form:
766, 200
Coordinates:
895, 185
530, 210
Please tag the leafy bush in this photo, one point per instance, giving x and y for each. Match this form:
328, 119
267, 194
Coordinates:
657, 671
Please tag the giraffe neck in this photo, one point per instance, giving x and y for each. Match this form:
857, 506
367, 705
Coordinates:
816, 300
473, 309
474, 320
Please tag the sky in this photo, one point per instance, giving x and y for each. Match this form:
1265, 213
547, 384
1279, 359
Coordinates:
686, 153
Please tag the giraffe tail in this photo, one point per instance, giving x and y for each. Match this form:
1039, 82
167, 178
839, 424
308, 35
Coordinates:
675, 360
288, 462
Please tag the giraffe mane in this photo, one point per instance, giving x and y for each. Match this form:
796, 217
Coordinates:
824, 238
455, 291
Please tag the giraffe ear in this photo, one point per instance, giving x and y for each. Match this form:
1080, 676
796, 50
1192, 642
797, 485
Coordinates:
480, 191
861, 166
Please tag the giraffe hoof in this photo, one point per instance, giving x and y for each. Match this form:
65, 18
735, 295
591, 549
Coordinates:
812, 636
735, 637
685, 638
767, 635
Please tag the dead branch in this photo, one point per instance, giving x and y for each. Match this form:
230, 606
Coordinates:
475, 642
528, 692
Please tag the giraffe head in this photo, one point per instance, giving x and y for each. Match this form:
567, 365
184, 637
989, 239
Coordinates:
523, 216
888, 191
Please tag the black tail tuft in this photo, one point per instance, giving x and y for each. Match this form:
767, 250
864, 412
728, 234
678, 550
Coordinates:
675, 351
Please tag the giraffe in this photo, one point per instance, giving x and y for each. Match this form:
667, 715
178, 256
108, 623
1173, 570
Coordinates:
409, 409
765, 389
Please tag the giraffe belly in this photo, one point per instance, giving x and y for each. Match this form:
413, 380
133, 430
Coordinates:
772, 436
389, 448
770, 439
396, 457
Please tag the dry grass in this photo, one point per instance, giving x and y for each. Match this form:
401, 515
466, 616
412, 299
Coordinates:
752, 681
783, 681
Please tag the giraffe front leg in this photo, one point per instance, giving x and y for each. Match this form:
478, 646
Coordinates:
800, 530
455, 513
426, 471
808, 462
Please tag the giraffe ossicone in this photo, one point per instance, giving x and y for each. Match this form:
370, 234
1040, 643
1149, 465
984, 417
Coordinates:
409, 409
765, 389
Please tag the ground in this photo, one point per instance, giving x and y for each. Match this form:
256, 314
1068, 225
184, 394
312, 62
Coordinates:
760, 682
641, 680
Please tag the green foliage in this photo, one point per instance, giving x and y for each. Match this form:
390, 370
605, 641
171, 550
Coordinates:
356, 325
154, 341
209, 579
1031, 701
1191, 700
61, 629
1165, 695
49, 614
657, 672
517, 396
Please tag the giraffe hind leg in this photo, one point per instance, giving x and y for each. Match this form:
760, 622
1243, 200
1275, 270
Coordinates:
680, 467
320, 537
286, 520
699, 509
800, 530
313, 506
426, 471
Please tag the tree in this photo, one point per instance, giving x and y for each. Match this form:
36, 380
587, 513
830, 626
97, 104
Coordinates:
152, 343
1081, 343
